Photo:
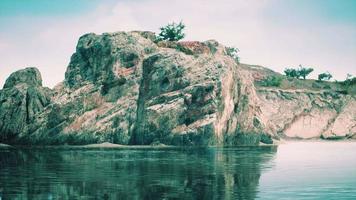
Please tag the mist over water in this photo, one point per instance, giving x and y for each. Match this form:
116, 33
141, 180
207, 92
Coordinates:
299, 170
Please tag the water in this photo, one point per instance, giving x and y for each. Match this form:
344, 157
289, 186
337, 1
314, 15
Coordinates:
301, 170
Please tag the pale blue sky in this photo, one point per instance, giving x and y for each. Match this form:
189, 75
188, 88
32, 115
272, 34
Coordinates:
272, 33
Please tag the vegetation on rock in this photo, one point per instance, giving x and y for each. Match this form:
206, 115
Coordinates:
324, 76
304, 71
349, 84
233, 53
292, 73
349, 81
301, 72
172, 32
271, 81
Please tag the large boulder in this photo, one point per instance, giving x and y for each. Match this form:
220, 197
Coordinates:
22, 100
29, 76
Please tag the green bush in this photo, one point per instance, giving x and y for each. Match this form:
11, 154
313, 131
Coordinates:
172, 32
290, 72
271, 81
349, 81
212, 47
349, 85
324, 76
297, 73
304, 72
233, 53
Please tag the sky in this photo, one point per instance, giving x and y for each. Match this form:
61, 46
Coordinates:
272, 33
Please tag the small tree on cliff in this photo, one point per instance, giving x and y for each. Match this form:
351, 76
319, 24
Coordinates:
350, 80
297, 73
304, 71
172, 32
290, 72
324, 76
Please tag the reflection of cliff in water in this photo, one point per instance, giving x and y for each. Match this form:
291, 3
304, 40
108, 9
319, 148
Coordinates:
230, 173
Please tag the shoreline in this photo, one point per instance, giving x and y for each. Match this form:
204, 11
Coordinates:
108, 145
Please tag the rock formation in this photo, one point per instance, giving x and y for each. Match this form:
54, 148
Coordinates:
22, 103
126, 88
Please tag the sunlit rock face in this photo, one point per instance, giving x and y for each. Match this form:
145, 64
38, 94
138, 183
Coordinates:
126, 88
309, 114
304, 110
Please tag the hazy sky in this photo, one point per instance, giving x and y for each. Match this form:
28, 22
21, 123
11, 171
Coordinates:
272, 33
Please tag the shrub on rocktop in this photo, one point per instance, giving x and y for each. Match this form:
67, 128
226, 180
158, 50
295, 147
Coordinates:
172, 32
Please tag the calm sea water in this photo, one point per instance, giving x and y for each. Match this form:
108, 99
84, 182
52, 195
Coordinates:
300, 170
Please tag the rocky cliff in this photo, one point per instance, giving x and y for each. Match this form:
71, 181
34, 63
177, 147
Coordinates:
126, 88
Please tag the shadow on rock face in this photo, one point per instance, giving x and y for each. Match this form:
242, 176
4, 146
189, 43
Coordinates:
166, 173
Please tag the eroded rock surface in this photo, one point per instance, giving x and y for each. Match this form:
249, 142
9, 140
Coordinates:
22, 101
306, 112
125, 88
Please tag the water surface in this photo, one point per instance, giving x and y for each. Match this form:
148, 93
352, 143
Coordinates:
301, 170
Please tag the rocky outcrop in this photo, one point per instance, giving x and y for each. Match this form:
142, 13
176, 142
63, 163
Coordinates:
305, 112
126, 88
29, 77
22, 101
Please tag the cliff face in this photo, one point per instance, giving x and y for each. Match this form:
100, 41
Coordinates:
306, 109
309, 114
125, 88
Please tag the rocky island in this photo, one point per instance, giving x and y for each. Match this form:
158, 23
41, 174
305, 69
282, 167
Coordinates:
127, 88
